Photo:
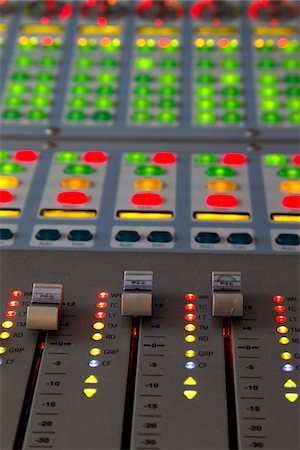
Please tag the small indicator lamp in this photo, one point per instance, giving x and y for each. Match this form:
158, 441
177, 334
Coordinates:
7, 324
281, 319
190, 297
278, 299
284, 340
282, 330
13, 303
190, 338
15, 294
190, 354
10, 314
288, 368
100, 315
94, 363
4, 335
101, 305
97, 337
95, 351
190, 327
190, 307
102, 294
190, 365
98, 326
190, 317
279, 308
2, 350
286, 355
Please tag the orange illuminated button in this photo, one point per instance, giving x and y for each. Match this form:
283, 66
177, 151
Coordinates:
75, 183
147, 184
164, 158
94, 157
234, 159
221, 201
26, 156
290, 186
221, 185
291, 202
148, 199
9, 182
296, 160
6, 197
72, 198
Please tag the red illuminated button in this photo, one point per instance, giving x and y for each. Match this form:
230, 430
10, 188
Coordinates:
164, 158
147, 199
26, 156
94, 157
6, 197
72, 198
234, 159
291, 201
296, 160
221, 201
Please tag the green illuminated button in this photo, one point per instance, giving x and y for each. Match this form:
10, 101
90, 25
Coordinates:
167, 103
140, 116
166, 117
143, 78
232, 117
205, 158
205, 91
10, 167
78, 169
269, 104
291, 64
48, 61
271, 117
80, 89
268, 78
28, 47
230, 91
266, 63
141, 103
44, 76
11, 114
292, 47
168, 63
23, 61
17, 88
289, 172
144, 63
106, 77
105, 90
293, 91
230, 78
293, 103
37, 115
20, 76
142, 90
76, 116
267, 47
231, 103
40, 102
82, 77
206, 48
149, 170
66, 157
205, 103
14, 101
84, 62
104, 102
268, 91
168, 78
43, 89
205, 64
88, 46
4, 155
78, 102
292, 78
294, 117
229, 64
205, 78
109, 62
167, 91
275, 159
102, 116
205, 117
136, 157
222, 171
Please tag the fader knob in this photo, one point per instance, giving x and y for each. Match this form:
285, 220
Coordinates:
49, 9
159, 9
211, 10
273, 10
93, 9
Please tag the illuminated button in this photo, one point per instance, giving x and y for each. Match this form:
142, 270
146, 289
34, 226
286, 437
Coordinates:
286, 356
66, 157
147, 184
240, 238
205, 103
275, 159
26, 156
190, 354
205, 78
6, 196
290, 384
95, 351
44, 76
205, 158
72, 198
205, 91
91, 380
166, 117
190, 381
159, 236
11, 114
89, 392
268, 91
78, 169
106, 77
205, 117
291, 397
215, 171
80, 90
221, 185
136, 157
167, 103
78, 102
189, 394
164, 158
75, 183
232, 117
230, 91
271, 117
140, 116
23, 61
204, 237
289, 172
84, 62
142, 90
167, 91
82, 77
294, 117
149, 170
7, 182
36, 114
4, 335
287, 239
230, 78
80, 235
4, 155
7, 324
221, 201
104, 102
291, 201
293, 103
17, 88
76, 116
280, 319
231, 103
94, 157
5, 234
40, 102
14, 101
2, 350
291, 64
269, 104
267, 78
284, 340
102, 116
127, 236
148, 199
144, 63
205, 64
234, 159
296, 160
48, 235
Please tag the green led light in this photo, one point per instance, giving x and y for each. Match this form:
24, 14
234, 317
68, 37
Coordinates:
293, 103
136, 157
42, 89
205, 117
204, 78
232, 117
167, 103
82, 77
23, 61
292, 78
205, 103
205, 64
149, 170
67, 157
76, 116
4, 155
268, 78
167, 91
141, 103
145, 46
230, 64
294, 117
267, 47
292, 47
11, 114
140, 116
142, 90
143, 78
102, 116
44, 76
275, 159
222, 171
289, 172
230, 78
106, 77
230, 91
104, 102
80, 89
168, 63
291, 64
37, 115
205, 91
271, 117
144, 63
17, 88
84, 63
10, 167
207, 48
20, 76
269, 104
266, 63
268, 91
14, 101
169, 78
28, 47
78, 102
88, 47
166, 117
109, 62
205, 158
105, 90
48, 61
40, 102
231, 103
293, 91
78, 169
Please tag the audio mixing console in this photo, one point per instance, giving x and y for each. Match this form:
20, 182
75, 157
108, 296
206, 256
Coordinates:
149, 224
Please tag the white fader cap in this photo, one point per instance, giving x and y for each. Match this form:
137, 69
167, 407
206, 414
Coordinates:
227, 294
137, 293
45, 307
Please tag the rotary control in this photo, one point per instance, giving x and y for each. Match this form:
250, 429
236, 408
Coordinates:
93, 9
159, 9
273, 10
214, 10
47, 10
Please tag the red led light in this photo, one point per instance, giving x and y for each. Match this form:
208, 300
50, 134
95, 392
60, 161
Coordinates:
274, 22
94, 157
13, 304
279, 308
6, 197
158, 22
105, 42
221, 201
15, 294
65, 12
164, 158
234, 159
146, 199
283, 42
190, 297
47, 41
291, 202
223, 42
281, 319
44, 20
164, 42
101, 305
26, 156
100, 315
102, 294
278, 299
72, 198
102, 21
190, 317
190, 307
296, 160
10, 314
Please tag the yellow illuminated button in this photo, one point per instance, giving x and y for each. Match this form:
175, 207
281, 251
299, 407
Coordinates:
8, 182
89, 392
75, 183
190, 353
291, 396
67, 214
282, 329
4, 335
7, 324
290, 186
95, 351
239, 217
147, 215
290, 384
221, 185
190, 338
2, 350
189, 394
190, 327
91, 379
147, 184
10, 212
286, 355
292, 218
98, 325
284, 340
97, 337
190, 381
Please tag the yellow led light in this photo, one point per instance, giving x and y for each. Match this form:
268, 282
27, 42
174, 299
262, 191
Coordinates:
291, 396
220, 31
292, 218
199, 43
158, 31
3, 27
282, 329
95, 351
221, 185
147, 184
259, 43
190, 394
290, 186
97, 337
7, 182
68, 214
242, 217
42, 29
190, 327
284, 340
286, 355
89, 392
189, 338
82, 42
275, 31
190, 381
290, 384
98, 325
2, 350
132, 215
75, 183
10, 212
106, 29
190, 354
4, 335
7, 324
23, 40
151, 42
140, 42
91, 379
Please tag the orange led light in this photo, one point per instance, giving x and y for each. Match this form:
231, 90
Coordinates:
15, 293
105, 42
190, 317
190, 307
283, 42
278, 299
102, 294
279, 308
101, 305
223, 42
190, 297
13, 303
282, 330
100, 315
